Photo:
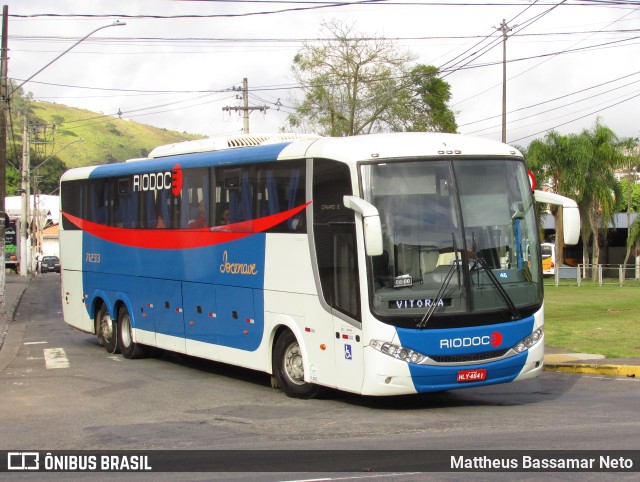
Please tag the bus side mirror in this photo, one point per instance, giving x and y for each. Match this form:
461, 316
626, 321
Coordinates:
570, 214
571, 225
370, 221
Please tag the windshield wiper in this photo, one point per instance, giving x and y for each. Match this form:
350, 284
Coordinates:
443, 287
445, 284
515, 314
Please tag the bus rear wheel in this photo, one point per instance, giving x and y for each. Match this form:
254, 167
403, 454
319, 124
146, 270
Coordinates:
129, 348
288, 368
107, 330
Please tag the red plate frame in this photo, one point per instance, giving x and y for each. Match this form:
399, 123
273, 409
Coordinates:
476, 375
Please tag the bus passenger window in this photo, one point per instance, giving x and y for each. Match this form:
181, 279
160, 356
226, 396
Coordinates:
195, 199
234, 197
280, 188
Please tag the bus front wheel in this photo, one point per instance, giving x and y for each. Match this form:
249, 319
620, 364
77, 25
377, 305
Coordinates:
288, 368
107, 330
129, 348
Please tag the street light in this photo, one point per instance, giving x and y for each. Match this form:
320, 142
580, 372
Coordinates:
117, 23
56, 153
23, 232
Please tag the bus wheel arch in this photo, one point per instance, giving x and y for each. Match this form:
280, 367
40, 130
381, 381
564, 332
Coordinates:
288, 366
129, 348
106, 327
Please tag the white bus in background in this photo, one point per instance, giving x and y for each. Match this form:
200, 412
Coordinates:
548, 254
380, 265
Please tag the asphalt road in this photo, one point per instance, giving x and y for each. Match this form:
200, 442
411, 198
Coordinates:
64, 392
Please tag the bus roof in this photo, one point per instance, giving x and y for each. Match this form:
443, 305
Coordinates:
225, 142
270, 147
406, 144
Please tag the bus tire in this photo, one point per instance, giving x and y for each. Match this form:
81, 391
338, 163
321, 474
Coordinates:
107, 330
288, 368
128, 347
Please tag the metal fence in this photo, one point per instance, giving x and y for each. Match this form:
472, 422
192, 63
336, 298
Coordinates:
598, 274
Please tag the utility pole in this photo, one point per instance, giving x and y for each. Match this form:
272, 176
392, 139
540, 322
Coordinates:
245, 108
4, 107
505, 29
24, 189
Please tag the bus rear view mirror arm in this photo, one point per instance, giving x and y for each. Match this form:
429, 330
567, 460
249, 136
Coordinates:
370, 221
570, 214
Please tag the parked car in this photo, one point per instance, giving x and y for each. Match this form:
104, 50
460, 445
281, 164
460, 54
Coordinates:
50, 263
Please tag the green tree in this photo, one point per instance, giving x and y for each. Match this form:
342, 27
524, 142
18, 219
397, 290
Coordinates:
630, 190
633, 238
48, 169
555, 162
46, 176
599, 189
354, 84
630, 196
427, 109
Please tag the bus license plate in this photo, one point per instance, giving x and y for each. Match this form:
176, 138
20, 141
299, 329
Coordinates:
472, 375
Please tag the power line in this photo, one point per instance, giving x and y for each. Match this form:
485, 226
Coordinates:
102, 40
575, 119
514, 121
313, 6
558, 98
296, 86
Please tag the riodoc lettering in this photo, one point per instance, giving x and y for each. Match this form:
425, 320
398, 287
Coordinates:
464, 342
156, 181
159, 181
237, 268
495, 339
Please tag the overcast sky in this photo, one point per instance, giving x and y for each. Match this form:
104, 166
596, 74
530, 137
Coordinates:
175, 62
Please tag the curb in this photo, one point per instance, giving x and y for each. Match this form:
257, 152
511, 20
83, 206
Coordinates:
7, 316
628, 371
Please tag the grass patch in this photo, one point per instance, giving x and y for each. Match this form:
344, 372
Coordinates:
106, 139
594, 319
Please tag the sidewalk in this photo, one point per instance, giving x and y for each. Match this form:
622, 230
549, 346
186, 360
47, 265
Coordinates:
15, 286
555, 359
559, 360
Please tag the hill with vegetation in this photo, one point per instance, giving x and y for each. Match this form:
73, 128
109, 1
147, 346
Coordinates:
105, 139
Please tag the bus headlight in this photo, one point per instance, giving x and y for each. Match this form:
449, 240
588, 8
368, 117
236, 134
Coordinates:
529, 341
397, 351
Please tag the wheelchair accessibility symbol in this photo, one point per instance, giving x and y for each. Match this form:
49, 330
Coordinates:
347, 352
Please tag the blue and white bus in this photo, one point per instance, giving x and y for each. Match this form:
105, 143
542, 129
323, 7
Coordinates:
380, 265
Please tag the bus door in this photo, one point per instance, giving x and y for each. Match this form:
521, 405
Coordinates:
337, 264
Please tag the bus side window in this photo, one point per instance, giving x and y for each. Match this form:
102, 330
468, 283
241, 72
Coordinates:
234, 196
163, 219
281, 187
195, 202
98, 209
73, 195
335, 237
125, 205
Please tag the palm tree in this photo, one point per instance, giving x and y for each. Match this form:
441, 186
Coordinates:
628, 145
598, 188
633, 238
555, 162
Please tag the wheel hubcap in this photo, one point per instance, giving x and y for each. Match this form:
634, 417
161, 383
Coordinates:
126, 331
106, 329
293, 364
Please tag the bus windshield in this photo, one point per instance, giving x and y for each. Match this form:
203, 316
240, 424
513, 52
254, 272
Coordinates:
459, 237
